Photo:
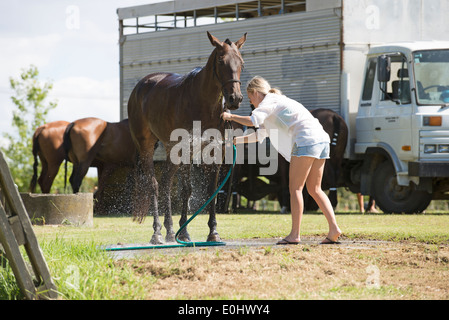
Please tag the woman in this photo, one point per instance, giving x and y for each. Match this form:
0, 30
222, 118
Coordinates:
300, 139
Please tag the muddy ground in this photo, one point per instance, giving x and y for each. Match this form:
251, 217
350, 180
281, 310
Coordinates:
259, 269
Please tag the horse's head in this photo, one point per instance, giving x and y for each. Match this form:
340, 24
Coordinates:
227, 66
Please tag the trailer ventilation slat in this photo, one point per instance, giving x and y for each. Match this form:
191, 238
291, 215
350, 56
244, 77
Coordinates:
298, 53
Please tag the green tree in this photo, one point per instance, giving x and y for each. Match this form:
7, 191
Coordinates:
32, 107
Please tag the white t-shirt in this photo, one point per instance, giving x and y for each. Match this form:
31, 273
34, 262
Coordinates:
286, 122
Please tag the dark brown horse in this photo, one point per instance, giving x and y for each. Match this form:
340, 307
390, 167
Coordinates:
163, 102
93, 142
47, 144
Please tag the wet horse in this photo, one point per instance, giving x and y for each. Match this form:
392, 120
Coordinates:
93, 142
162, 102
48, 145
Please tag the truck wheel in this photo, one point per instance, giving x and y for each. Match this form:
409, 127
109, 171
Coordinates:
393, 198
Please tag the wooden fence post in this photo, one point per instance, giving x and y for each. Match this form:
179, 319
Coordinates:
16, 230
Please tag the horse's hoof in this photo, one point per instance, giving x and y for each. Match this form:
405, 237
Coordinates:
185, 238
170, 237
214, 237
156, 239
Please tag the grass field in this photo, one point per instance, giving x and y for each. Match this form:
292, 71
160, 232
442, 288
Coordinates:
412, 264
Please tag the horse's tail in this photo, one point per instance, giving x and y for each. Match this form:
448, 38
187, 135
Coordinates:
339, 143
67, 145
35, 150
336, 133
340, 132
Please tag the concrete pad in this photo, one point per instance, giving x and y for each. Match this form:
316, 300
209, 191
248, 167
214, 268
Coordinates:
68, 209
125, 250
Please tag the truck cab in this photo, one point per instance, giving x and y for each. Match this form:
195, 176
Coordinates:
402, 125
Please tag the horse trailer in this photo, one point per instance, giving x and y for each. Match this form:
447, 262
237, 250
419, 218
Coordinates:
382, 65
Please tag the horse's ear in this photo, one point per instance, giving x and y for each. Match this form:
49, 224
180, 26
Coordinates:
215, 42
241, 41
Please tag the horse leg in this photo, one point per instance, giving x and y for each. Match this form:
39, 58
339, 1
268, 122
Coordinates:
332, 176
145, 180
285, 192
104, 171
52, 171
212, 178
333, 197
74, 178
43, 177
185, 193
235, 181
78, 173
165, 186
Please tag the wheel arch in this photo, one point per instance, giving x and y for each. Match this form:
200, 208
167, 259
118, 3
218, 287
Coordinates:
373, 157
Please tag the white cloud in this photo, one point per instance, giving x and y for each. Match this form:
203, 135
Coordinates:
19, 52
81, 97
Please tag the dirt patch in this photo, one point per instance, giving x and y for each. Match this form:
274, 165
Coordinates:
311, 271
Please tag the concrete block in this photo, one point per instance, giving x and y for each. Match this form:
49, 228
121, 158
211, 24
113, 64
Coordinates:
68, 209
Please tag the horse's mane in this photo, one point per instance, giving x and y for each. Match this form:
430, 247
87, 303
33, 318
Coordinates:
192, 74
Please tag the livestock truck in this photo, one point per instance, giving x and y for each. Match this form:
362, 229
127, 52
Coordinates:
383, 65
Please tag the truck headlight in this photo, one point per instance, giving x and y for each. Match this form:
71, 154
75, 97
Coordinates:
443, 148
430, 148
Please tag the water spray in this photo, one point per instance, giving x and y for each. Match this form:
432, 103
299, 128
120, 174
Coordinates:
181, 243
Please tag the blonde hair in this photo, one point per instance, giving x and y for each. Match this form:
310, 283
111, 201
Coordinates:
261, 85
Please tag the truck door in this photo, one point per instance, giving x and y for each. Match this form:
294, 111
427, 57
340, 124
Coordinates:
393, 113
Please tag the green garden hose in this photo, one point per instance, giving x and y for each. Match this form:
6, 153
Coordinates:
185, 243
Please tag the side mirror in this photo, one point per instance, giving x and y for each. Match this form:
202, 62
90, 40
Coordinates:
383, 68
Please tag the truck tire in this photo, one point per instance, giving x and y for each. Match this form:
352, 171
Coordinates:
393, 198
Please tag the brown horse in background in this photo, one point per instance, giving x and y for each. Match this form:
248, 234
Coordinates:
93, 142
163, 102
48, 145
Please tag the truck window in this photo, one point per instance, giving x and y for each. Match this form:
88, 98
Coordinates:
432, 76
369, 80
398, 88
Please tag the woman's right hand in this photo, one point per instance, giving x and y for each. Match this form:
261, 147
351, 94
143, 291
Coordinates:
226, 116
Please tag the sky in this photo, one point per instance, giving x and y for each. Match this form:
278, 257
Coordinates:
74, 44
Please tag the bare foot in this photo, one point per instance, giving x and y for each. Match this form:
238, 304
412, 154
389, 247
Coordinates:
333, 235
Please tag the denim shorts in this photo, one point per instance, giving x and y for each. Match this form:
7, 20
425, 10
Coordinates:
319, 151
